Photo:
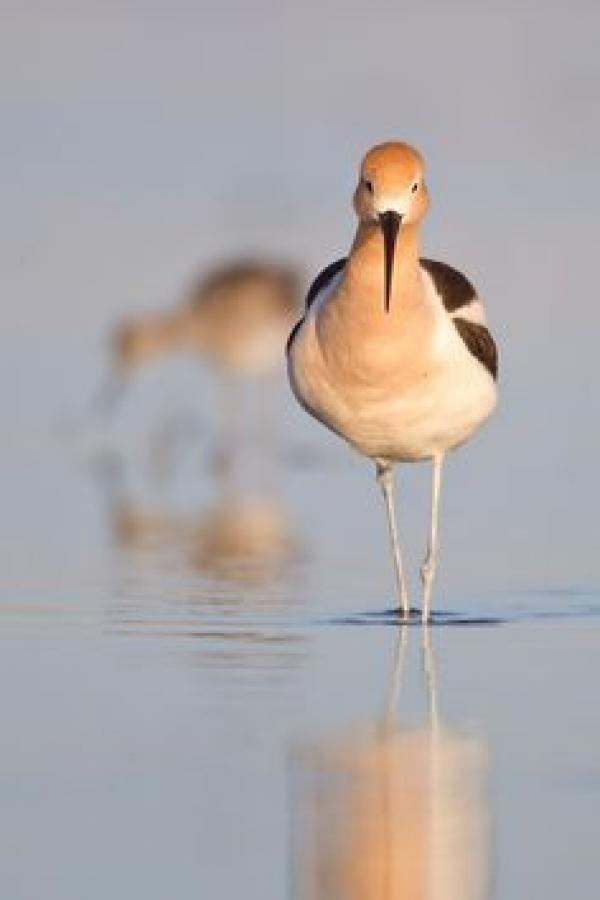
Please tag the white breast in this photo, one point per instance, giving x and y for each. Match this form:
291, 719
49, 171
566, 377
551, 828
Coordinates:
437, 412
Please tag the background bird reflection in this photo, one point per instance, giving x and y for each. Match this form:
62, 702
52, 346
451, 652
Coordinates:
244, 536
394, 811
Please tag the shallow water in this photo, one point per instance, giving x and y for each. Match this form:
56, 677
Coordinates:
204, 694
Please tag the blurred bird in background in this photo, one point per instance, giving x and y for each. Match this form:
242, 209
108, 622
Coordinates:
237, 318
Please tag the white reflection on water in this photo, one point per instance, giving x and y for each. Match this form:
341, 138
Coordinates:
394, 812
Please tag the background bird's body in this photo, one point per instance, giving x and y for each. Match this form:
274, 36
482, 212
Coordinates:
237, 317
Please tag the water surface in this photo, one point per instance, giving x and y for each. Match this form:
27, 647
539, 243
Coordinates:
186, 716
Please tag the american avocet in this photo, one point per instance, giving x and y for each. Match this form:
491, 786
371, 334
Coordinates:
393, 353
237, 318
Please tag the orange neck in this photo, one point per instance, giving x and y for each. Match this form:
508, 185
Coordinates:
364, 279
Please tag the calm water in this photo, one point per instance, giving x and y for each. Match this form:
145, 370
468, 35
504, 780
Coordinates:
203, 697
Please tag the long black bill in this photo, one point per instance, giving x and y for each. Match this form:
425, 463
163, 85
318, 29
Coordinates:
390, 222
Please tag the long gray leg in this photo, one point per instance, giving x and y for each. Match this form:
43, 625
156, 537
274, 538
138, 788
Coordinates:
385, 479
430, 563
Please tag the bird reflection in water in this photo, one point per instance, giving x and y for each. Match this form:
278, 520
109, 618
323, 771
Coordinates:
218, 575
395, 814
237, 318
245, 537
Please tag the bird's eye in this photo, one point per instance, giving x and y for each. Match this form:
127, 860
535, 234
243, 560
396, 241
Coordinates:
415, 187
368, 184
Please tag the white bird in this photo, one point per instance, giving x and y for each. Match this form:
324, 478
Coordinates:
393, 353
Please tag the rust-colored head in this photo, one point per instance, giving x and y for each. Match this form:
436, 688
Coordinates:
391, 192
391, 179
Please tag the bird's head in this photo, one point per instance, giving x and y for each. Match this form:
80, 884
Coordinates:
391, 193
134, 342
139, 340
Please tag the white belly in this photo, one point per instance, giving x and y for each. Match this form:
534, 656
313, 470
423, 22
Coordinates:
437, 412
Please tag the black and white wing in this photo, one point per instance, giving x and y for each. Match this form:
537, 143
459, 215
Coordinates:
464, 307
323, 282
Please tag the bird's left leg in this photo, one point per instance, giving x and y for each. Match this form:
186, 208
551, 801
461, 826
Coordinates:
385, 479
429, 565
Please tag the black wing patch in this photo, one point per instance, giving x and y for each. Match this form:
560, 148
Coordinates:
454, 288
322, 279
480, 343
293, 334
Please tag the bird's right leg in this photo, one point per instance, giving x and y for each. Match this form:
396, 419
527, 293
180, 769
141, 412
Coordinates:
385, 480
